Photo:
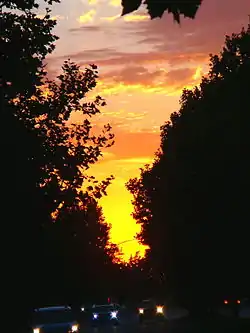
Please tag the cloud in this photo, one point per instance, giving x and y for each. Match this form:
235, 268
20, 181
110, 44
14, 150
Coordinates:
204, 34
127, 58
111, 18
126, 18
120, 119
87, 17
139, 79
133, 75
94, 54
180, 77
86, 28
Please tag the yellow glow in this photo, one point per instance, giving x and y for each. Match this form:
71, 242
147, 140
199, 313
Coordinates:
134, 18
126, 18
117, 205
111, 18
87, 17
198, 73
141, 311
117, 209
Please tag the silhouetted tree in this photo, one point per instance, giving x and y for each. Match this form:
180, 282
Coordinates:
192, 203
45, 156
25, 41
83, 254
156, 8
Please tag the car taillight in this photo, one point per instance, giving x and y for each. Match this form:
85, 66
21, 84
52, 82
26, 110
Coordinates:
225, 302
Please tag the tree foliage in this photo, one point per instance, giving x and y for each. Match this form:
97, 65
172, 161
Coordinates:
192, 203
79, 254
68, 149
46, 157
155, 8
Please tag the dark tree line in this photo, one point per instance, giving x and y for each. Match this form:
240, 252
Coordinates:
193, 202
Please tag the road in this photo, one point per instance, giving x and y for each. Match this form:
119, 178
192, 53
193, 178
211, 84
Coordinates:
175, 327
177, 322
130, 323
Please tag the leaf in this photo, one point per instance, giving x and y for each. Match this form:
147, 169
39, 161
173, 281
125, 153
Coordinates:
130, 6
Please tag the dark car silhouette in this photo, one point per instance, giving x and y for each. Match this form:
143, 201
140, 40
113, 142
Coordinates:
56, 319
150, 310
107, 313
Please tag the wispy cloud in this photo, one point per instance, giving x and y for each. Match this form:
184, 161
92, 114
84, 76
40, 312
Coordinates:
126, 18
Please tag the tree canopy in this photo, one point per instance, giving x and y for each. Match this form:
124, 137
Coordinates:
192, 203
156, 8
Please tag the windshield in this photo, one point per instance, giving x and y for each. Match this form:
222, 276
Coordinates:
53, 317
148, 304
107, 308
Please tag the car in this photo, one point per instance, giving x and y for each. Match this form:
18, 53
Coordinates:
106, 313
58, 319
150, 310
236, 304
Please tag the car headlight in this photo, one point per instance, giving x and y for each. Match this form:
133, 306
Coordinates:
74, 328
36, 330
95, 315
159, 309
141, 311
82, 309
114, 314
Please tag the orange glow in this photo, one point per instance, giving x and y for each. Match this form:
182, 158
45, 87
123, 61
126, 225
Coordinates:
238, 301
225, 302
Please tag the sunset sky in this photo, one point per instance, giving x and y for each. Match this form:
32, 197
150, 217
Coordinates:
143, 65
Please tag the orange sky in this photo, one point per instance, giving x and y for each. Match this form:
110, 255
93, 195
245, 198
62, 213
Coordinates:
144, 65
